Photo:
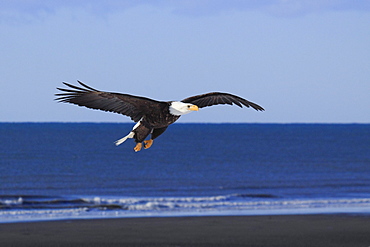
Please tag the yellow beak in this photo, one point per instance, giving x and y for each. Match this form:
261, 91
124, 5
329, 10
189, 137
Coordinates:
194, 108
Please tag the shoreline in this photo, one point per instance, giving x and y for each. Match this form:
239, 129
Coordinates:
268, 230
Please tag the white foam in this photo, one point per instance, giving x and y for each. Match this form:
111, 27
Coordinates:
187, 206
10, 202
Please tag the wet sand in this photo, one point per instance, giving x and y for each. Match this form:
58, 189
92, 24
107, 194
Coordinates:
269, 231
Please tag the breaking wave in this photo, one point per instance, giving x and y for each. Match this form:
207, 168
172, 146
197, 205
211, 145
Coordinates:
27, 208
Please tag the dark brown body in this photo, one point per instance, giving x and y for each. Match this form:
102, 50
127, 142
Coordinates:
155, 123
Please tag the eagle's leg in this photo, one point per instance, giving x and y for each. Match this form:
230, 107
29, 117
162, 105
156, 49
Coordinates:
138, 147
148, 143
141, 132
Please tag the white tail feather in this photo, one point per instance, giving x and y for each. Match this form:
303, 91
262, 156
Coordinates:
130, 135
122, 140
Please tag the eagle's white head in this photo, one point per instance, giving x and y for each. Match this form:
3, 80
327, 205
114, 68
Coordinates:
178, 108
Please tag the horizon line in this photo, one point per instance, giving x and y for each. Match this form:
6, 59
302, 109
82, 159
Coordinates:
94, 122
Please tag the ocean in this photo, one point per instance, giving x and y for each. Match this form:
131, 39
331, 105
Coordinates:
51, 171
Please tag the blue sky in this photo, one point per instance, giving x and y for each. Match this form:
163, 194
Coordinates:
304, 61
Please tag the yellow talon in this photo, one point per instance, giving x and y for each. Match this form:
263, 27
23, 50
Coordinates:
148, 143
138, 147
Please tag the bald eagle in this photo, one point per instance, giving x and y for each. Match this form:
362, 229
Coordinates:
151, 116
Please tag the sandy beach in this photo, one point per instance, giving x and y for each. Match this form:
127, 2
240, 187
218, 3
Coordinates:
290, 230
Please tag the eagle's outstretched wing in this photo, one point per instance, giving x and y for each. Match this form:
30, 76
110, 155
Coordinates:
217, 98
133, 106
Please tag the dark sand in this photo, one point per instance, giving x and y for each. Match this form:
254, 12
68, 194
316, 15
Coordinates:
269, 231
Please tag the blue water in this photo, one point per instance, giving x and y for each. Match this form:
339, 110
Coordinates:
73, 170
